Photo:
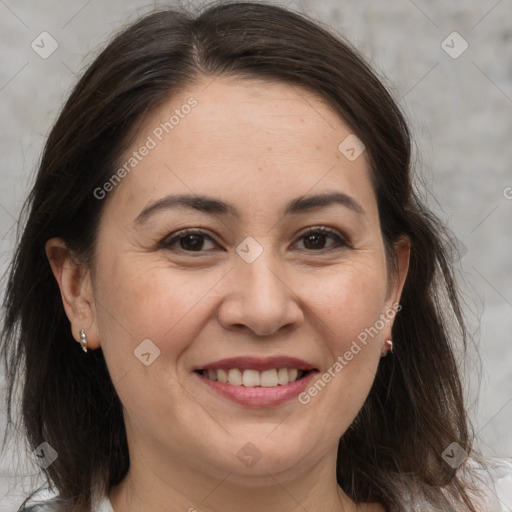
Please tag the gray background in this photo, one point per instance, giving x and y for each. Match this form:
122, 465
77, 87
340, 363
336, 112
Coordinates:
460, 111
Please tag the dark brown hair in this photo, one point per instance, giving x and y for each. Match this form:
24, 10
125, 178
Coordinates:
415, 408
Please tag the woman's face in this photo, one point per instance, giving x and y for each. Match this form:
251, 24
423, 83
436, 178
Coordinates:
248, 295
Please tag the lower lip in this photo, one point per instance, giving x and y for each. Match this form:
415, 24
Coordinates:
259, 396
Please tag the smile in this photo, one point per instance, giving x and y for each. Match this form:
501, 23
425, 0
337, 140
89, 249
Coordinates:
253, 378
257, 382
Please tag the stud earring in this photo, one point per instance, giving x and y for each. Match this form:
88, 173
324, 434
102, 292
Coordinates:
388, 347
83, 340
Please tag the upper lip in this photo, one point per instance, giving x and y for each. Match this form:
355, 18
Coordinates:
258, 363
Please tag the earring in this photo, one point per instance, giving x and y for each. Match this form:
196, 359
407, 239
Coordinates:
83, 340
388, 347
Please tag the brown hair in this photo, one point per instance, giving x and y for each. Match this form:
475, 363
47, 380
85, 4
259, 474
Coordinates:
415, 408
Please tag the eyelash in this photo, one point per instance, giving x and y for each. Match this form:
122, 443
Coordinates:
341, 242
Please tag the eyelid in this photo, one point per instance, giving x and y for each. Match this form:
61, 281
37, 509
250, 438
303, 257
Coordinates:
341, 240
171, 239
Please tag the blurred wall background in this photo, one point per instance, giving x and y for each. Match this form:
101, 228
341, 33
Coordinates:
448, 64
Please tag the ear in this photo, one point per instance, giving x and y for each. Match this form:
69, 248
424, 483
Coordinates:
74, 280
398, 275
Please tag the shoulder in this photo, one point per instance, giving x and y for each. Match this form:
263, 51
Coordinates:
51, 505
492, 476
55, 504
500, 473
486, 480
42, 500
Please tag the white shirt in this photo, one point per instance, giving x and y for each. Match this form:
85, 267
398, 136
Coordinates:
104, 506
51, 505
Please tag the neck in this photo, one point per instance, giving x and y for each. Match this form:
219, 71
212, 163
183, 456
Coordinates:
149, 485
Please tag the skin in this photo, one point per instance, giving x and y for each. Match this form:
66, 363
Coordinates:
256, 145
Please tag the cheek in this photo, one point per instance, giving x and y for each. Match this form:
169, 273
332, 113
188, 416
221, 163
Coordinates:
347, 300
148, 300
142, 299
347, 308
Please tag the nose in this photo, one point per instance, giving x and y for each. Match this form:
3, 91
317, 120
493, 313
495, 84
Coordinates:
259, 299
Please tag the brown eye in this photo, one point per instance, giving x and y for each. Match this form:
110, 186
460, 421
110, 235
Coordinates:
316, 239
192, 242
187, 240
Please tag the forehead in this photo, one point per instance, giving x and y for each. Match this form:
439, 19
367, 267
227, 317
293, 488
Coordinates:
245, 138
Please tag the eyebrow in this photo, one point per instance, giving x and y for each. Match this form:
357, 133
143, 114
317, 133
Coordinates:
212, 206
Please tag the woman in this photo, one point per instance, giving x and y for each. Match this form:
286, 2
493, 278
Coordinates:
227, 294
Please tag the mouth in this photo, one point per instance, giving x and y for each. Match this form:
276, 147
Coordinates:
251, 378
256, 382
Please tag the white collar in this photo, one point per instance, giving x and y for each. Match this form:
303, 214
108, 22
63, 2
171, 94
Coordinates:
103, 505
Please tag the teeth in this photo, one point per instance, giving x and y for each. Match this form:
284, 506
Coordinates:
293, 374
253, 378
235, 377
283, 376
269, 378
